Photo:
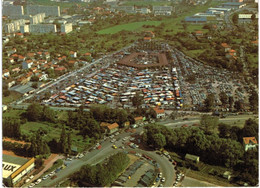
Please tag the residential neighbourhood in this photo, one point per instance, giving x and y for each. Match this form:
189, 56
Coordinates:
129, 93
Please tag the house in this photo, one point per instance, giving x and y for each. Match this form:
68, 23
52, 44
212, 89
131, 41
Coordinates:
27, 64
6, 73
198, 33
192, 158
160, 113
127, 124
110, 128
20, 58
255, 43
147, 39
73, 63
249, 143
138, 119
47, 55
226, 47
149, 34
73, 54
87, 54
227, 175
11, 60
10, 82
4, 107
60, 70
231, 53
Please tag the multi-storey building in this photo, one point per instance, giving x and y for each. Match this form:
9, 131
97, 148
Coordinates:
66, 28
38, 18
48, 10
10, 10
42, 28
14, 26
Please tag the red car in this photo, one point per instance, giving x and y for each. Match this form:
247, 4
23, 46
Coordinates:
53, 177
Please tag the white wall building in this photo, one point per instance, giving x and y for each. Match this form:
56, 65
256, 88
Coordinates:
66, 28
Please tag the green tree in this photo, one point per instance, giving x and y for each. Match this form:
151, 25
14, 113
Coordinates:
223, 98
159, 140
34, 112
239, 106
235, 18
209, 102
253, 100
48, 114
62, 141
137, 100
209, 123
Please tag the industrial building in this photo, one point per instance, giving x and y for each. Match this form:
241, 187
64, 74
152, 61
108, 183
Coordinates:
15, 168
10, 10
66, 28
246, 18
233, 5
48, 10
162, 10
196, 20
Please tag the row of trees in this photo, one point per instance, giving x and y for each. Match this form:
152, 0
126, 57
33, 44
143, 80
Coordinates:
11, 128
102, 174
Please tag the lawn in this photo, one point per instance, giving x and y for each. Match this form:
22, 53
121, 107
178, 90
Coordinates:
254, 59
12, 97
54, 131
135, 26
14, 114
175, 24
194, 53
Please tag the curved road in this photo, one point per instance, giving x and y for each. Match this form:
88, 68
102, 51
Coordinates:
97, 156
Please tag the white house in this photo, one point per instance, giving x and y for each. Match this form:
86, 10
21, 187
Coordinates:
27, 64
249, 143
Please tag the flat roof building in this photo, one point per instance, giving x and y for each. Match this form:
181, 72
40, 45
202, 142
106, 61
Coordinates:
11, 10
48, 10
15, 168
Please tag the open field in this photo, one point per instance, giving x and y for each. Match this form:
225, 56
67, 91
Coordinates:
13, 114
135, 26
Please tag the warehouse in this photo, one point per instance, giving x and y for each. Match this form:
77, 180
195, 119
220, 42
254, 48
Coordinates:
15, 168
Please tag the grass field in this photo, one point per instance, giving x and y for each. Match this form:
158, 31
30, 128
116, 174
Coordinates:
135, 26
13, 114
194, 53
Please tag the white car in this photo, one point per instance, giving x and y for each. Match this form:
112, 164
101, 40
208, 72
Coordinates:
163, 179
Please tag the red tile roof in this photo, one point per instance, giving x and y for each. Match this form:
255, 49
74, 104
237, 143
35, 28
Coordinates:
247, 140
158, 110
113, 126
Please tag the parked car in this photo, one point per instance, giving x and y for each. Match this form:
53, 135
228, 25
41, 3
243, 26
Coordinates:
53, 177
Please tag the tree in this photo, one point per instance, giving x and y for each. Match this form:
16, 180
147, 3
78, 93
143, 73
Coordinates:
48, 114
159, 140
209, 102
62, 141
239, 106
34, 112
137, 100
11, 128
224, 130
209, 123
253, 100
69, 143
250, 129
35, 78
38, 162
35, 85
231, 102
223, 98
235, 18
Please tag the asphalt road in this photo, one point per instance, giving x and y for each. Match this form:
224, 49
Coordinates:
191, 121
97, 156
